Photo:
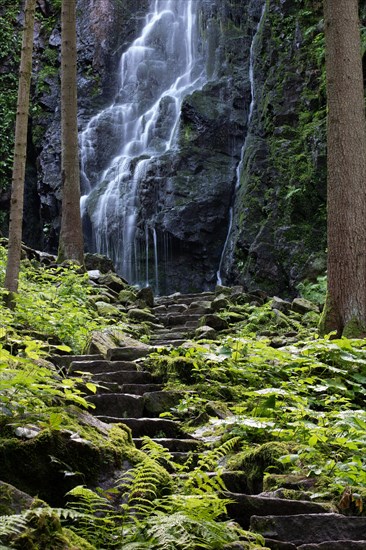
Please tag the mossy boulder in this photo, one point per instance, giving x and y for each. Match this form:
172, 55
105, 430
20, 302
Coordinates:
127, 296
214, 321
107, 310
146, 296
98, 262
112, 281
82, 451
13, 501
302, 306
255, 462
43, 531
102, 341
141, 315
205, 332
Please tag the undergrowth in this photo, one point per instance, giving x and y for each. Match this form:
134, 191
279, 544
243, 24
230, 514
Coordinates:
308, 394
292, 404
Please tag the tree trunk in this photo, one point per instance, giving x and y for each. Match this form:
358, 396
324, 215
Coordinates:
71, 246
345, 309
20, 151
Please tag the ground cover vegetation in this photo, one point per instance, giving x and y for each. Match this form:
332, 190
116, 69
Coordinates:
275, 402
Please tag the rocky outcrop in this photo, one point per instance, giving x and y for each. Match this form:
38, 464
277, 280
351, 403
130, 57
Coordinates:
104, 28
278, 235
277, 197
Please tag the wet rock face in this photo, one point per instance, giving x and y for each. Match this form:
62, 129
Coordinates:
104, 29
278, 228
186, 194
279, 231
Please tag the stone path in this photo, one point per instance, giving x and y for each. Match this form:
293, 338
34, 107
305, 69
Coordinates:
130, 394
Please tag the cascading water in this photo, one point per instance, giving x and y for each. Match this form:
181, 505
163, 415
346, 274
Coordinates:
245, 145
156, 72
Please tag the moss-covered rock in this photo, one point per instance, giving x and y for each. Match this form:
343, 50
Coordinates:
82, 450
255, 462
141, 315
107, 310
13, 501
127, 297
102, 341
43, 531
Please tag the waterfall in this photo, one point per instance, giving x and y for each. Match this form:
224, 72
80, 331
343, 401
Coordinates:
239, 168
156, 72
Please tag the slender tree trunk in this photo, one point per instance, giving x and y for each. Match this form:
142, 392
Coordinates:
71, 246
345, 309
20, 151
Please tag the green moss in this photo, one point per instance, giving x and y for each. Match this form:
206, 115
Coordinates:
75, 542
255, 462
78, 452
44, 532
354, 328
174, 368
330, 322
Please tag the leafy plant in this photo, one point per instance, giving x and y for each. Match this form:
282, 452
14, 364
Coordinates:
315, 292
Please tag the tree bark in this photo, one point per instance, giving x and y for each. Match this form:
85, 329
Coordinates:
71, 246
20, 151
345, 308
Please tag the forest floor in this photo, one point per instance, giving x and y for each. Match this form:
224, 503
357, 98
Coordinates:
269, 419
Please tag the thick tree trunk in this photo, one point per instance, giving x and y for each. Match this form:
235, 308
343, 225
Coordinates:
345, 309
20, 151
71, 245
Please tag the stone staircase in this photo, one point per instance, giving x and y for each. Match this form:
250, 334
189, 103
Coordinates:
129, 394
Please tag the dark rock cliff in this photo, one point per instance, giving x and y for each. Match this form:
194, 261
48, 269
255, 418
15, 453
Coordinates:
278, 205
279, 229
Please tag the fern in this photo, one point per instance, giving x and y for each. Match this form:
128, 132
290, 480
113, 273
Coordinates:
142, 486
12, 525
199, 481
157, 452
184, 530
96, 520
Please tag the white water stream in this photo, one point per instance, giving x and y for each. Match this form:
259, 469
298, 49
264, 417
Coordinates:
156, 72
240, 166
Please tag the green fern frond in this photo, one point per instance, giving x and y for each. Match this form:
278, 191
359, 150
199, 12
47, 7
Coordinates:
143, 485
156, 451
12, 525
95, 519
210, 460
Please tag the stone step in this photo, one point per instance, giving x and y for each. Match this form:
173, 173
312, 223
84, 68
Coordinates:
233, 481
331, 545
324, 530
243, 507
118, 404
178, 298
140, 389
128, 353
173, 444
158, 402
175, 343
101, 366
114, 387
189, 325
64, 361
181, 319
182, 457
170, 308
123, 377
170, 334
152, 427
